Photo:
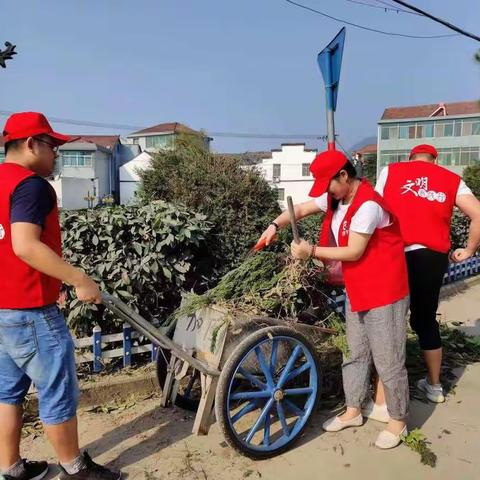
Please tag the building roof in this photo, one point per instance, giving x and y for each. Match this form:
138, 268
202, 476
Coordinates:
130, 171
432, 110
172, 127
106, 141
370, 148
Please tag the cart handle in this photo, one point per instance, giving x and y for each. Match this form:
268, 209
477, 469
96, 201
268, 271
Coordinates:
128, 315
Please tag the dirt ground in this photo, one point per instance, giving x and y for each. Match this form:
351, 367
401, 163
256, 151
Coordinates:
148, 442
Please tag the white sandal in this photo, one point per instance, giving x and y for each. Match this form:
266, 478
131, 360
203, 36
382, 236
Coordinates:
334, 424
387, 440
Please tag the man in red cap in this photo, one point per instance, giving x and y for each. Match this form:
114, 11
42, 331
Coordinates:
422, 195
35, 343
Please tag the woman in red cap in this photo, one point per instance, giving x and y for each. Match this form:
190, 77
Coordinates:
430, 191
359, 232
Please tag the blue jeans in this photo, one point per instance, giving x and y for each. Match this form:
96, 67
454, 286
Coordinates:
36, 346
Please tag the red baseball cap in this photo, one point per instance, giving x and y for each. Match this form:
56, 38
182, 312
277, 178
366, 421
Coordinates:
30, 124
424, 148
324, 167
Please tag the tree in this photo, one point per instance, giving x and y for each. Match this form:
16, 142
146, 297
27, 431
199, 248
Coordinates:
7, 54
471, 176
238, 201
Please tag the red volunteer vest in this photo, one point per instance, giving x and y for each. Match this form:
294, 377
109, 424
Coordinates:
422, 196
20, 285
380, 277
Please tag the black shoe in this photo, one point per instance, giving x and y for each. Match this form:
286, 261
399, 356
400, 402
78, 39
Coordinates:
91, 471
33, 471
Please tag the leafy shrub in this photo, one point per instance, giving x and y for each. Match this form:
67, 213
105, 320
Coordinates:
459, 229
144, 255
471, 176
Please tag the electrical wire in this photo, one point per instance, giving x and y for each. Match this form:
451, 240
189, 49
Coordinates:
132, 128
390, 8
305, 7
449, 25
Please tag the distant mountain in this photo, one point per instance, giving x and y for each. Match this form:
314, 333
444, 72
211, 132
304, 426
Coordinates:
362, 143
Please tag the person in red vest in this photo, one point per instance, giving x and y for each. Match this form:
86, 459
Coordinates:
370, 248
422, 196
35, 343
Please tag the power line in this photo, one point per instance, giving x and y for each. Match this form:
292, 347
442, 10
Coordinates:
438, 20
305, 7
131, 128
396, 8
390, 8
84, 123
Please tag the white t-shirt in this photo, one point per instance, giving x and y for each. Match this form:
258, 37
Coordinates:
368, 217
380, 187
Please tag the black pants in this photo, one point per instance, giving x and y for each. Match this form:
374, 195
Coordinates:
426, 269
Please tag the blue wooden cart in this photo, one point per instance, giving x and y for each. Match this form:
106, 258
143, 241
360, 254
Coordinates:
260, 377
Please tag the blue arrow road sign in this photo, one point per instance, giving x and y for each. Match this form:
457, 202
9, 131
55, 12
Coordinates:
330, 61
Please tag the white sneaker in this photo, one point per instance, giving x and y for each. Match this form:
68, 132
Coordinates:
433, 392
387, 440
335, 424
376, 412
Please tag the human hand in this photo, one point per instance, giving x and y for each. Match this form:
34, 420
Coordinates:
301, 250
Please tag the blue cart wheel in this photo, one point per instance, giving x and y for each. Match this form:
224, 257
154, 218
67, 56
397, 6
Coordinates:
267, 391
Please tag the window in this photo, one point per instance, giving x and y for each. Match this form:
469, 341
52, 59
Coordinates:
459, 156
159, 141
455, 156
474, 155
388, 133
2, 157
448, 130
476, 128
467, 129
403, 131
428, 130
393, 156
277, 169
420, 133
445, 158
411, 131
439, 129
280, 194
77, 159
305, 169
135, 141
457, 130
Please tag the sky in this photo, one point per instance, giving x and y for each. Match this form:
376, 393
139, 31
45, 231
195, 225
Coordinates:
245, 66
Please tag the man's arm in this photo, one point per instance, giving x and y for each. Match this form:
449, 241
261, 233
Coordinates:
28, 247
470, 206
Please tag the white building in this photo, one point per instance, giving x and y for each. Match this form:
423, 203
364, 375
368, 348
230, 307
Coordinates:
288, 172
164, 135
130, 178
